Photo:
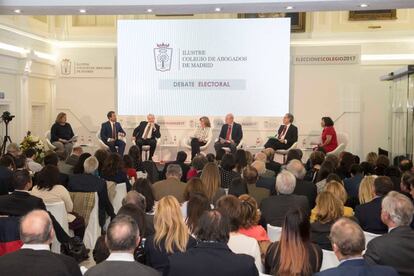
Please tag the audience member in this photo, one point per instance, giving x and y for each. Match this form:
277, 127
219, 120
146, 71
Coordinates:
396, 247
326, 169
294, 154
348, 243
274, 208
210, 177
381, 164
101, 156
314, 165
197, 165
405, 185
180, 160
78, 168
250, 176
270, 163
249, 157
135, 153
35, 257
13, 150
294, 254
171, 234
143, 186
32, 165
240, 160
406, 165
113, 170
372, 158
170, 186
338, 190
346, 160
195, 185
227, 173
394, 173
303, 187
51, 158
74, 156
238, 187
367, 168
212, 256
197, 204
366, 191
138, 200
260, 166
249, 219
352, 183
211, 157
129, 169
20, 162
6, 174
369, 214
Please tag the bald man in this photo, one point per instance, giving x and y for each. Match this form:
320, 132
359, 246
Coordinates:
146, 133
230, 135
35, 258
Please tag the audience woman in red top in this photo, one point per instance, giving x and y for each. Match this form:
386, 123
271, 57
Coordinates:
329, 141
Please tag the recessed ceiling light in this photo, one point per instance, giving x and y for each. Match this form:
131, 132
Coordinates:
82, 11
364, 5
17, 11
217, 9
289, 8
149, 10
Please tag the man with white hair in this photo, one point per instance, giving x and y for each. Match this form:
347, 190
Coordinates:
170, 186
396, 248
146, 133
274, 208
35, 258
230, 135
303, 187
89, 182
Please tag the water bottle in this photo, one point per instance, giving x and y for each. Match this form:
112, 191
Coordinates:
175, 140
257, 142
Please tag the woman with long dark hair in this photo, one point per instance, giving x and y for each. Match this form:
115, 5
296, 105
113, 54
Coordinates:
113, 170
294, 254
78, 168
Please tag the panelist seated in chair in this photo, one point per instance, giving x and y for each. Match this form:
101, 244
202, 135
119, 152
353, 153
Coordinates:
200, 136
111, 131
62, 136
230, 135
286, 136
146, 133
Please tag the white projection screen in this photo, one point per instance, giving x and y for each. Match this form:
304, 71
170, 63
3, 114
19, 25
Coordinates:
203, 67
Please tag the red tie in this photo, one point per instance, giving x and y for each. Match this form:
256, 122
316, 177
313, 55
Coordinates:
228, 133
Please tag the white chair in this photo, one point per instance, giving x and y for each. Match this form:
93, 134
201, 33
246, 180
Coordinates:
101, 144
58, 210
274, 232
329, 260
342, 143
93, 230
47, 140
369, 236
285, 152
119, 196
187, 141
340, 148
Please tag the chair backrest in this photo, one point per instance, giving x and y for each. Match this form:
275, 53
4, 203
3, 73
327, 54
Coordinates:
342, 138
58, 210
110, 186
9, 234
47, 134
329, 260
83, 203
47, 140
274, 232
101, 144
340, 148
93, 230
119, 196
369, 236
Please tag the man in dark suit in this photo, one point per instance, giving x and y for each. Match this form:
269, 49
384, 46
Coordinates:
122, 238
146, 133
286, 136
396, 247
369, 214
305, 188
230, 135
170, 186
274, 208
88, 182
110, 133
35, 258
6, 175
348, 243
20, 202
211, 256
352, 184
180, 160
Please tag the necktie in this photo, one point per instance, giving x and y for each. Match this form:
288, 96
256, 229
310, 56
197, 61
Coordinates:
283, 131
147, 131
228, 132
113, 131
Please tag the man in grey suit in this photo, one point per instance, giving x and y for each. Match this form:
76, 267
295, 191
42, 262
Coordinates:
122, 238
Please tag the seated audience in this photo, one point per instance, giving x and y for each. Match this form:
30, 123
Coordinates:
200, 136
138, 200
135, 154
260, 166
240, 159
406, 165
274, 208
314, 165
122, 238
346, 160
238, 187
195, 185
143, 186
394, 173
348, 243
411, 181
270, 163
197, 204
13, 150
369, 214
227, 174
180, 160
294, 254
372, 158
113, 170
35, 257
366, 191
250, 176
230, 206
303, 187
78, 168
405, 185
74, 156
51, 158
6, 174
329, 139
294, 154
89, 182
32, 165
212, 256
249, 157
381, 164
210, 177
211, 157
328, 209
170, 186
367, 168
101, 156
396, 247
326, 169
197, 165
352, 183
286, 135
20, 162
171, 234
249, 219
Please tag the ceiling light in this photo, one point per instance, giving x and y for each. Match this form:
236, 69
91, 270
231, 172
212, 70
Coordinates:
289, 8
149, 10
17, 11
217, 9
82, 11
364, 5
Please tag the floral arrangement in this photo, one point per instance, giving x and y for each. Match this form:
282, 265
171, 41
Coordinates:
35, 143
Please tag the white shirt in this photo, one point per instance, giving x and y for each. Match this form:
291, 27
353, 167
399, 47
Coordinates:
121, 256
242, 244
282, 137
36, 246
350, 259
149, 132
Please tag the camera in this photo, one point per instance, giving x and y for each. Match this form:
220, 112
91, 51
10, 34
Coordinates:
7, 117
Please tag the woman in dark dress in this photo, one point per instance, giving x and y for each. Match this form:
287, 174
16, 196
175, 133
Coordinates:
61, 135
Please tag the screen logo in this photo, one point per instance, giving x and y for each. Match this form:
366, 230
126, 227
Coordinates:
163, 57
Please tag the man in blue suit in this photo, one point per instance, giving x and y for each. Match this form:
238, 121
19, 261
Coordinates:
110, 133
348, 242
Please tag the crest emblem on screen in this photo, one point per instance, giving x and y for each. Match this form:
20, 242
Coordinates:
163, 57
65, 66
